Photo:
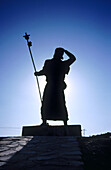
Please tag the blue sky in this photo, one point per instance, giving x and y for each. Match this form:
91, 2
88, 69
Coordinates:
83, 28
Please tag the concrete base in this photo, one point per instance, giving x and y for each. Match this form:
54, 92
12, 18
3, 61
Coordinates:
69, 130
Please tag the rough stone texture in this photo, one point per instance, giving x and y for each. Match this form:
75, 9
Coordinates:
96, 151
69, 130
40, 152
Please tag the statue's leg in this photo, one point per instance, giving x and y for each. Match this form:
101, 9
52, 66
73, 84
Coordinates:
44, 121
65, 122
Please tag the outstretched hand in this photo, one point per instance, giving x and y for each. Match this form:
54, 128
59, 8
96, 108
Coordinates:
36, 73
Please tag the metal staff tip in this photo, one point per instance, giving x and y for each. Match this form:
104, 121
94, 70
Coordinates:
26, 36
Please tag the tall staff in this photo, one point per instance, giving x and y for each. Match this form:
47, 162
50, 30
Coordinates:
29, 43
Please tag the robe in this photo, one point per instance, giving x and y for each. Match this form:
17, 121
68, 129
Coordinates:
53, 103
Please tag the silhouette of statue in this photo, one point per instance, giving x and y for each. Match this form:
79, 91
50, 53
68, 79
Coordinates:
53, 104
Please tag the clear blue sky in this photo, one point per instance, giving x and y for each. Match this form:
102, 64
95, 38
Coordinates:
83, 28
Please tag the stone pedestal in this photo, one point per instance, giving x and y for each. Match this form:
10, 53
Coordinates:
69, 130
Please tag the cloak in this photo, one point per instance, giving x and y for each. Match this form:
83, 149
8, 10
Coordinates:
53, 103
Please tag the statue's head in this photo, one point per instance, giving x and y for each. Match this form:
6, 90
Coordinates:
59, 53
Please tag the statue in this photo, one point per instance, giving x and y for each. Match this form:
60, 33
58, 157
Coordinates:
53, 103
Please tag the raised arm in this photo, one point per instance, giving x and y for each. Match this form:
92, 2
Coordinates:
71, 59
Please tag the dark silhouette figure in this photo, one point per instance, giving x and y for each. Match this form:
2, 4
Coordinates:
53, 104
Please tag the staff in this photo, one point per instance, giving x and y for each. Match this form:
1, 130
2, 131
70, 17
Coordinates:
29, 43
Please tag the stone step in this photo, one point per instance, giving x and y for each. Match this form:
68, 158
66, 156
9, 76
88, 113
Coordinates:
40, 152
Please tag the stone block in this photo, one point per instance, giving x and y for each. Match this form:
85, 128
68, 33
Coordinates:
69, 130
